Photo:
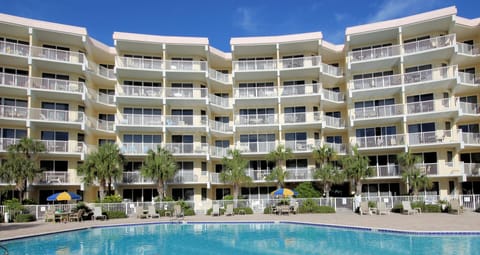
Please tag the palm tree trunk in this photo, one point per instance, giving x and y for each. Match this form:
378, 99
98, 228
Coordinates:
161, 190
358, 185
101, 189
326, 189
235, 195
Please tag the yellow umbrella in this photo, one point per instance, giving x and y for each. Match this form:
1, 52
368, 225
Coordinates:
284, 192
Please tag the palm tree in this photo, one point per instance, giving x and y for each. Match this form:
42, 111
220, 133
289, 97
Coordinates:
160, 166
326, 172
280, 155
104, 165
357, 168
411, 174
234, 171
20, 166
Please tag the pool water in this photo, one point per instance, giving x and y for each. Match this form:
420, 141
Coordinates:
258, 238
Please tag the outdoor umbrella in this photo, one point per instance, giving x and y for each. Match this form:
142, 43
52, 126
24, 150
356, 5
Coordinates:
284, 192
64, 196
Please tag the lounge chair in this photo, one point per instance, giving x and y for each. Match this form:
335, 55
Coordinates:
139, 213
284, 209
229, 210
364, 208
178, 212
152, 212
382, 208
455, 207
407, 208
215, 210
97, 213
294, 209
76, 216
50, 215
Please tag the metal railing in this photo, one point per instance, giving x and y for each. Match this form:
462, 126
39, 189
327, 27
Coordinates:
376, 82
469, 78
298, 174
300, 90
380, 141
13, 112
220, 126
381, 111
140, 91
57, 85
469, 108
18, 49
255, 92
140, 63
219, 76
104, 98
256, 119
6, 142
105, 125
302, 62
140, 120
471, 138
256, 147
187, 148
219, 151
58, 55
56, 115
429, 44
434, 74
105, 72
339, 148
374, 53
391, 170
64, 146
186, 92
220, 101
135, 177
472, 169
138, 148
332, 70
255, 65
53, 177
14, 80
186, 120
437, 136
185, 65
333, 95
436, 105
299, 146
333, 122
468, 49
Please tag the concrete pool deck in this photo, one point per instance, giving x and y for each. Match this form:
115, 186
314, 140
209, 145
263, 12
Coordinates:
430, 222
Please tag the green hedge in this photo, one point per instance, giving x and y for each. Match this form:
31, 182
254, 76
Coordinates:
435, 208
309, 206
25, 218
115, 214
247, 210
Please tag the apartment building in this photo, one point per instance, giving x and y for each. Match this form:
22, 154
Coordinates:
393, 86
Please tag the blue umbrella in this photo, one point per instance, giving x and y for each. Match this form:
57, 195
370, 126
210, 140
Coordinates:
64, 196
284, 192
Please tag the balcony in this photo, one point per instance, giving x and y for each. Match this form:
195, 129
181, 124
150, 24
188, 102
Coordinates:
382, 86
299, 174
467, 54
255, 69
299, 146
433, 109
467, 82
139, 68
332, 122
64, 147
378, 114
12, 84
437, 137
14, 53
185, 176
380, 142
54, 178
104, 125
472, 169
299, 67
441, 78
187, 148
185, 69
470, 139
57, 59
101, 73
106, 73
304, 93
374, 58
15, 114
333, 71
333, 96
428, 168
184, 96
419, 51
220, 103
54, 88
467, 108
220, 127
139, 149
186, 122
339, 148
135, 177
6, 142
218, 152
139, 94
256, 147
247, 96
262, 121
104, 99
59, 118
258, 174
304, 119
139, 122
219, 77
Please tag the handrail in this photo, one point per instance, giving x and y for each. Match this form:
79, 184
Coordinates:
4, 249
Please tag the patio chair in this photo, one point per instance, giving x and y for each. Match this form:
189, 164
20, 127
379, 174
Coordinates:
364, 208
76, 216
152, 212
139, 213
97, 213
294, 208
215, 210
285, 209
407, 208
50, 215
455, 207
382, 208
178, 212
229, 210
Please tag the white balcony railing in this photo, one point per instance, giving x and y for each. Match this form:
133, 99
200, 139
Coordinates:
429, 44
56, 115
57, 85
428, 168
332, 70
256, 119
469, 78
138, 148
300, 90
105, 125
183, 176
298, 145
468, 49
390, 170
469, 108
13, 112
258, 174
6, 142
186, 120
339, 148
14, 49
333, 121
256, 147
220, 126
374, 53
13, 80
187, 148
220, 101
432, 137
54, 177
472, 169
194, 93
106, 72
58, 55
381, 111
104, 98
333, 95
296, 117
255, 92
380, 141
471, 138
135, 177
140, 63
299, 174
436, 105
376, 82
219, 76
255, 65
56, 146
140, 120
140, 91
185, 65
219, 151
434, 74
302, 62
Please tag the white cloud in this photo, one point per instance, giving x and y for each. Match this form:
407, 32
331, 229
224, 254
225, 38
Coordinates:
245, 20
391, 9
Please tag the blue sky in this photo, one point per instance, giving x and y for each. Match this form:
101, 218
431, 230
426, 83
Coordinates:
219, 20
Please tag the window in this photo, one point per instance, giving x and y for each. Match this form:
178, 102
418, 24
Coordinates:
296, 141
103, 141
261, 165
106, 117
13, 102
220, 193
297, 164
295, 114
132, 166
185, 194
54, 135
376, 131
182, 138
145, 116
54, 165
418, 73
204, 194
258, 142
334, 139
295, 88
469, 128
421, 127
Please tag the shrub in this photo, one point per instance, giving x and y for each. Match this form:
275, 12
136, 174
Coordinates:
247, 210
372, 204
25, 218
228, 197
309, 206
112, 199
432, 208
14, 207
115, 214
324, 209
267, 210
221, 210
397, 208
189, 212
29, 201
307, 190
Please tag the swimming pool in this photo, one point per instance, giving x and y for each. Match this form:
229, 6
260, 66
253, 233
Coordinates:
241, 238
